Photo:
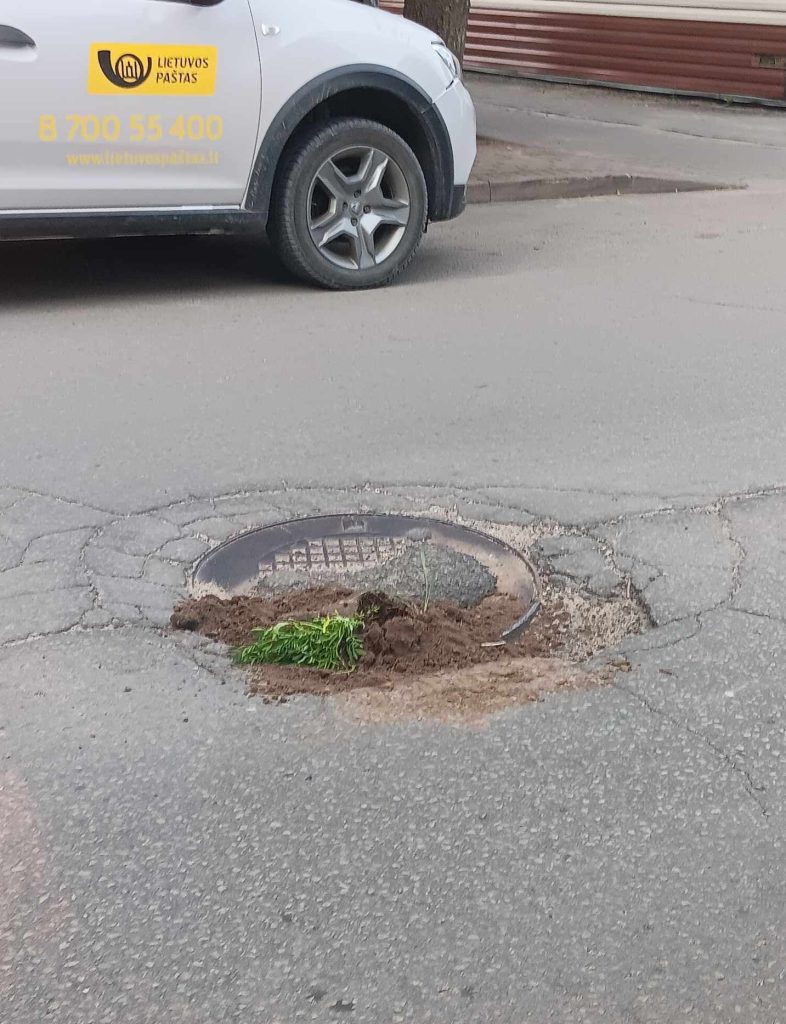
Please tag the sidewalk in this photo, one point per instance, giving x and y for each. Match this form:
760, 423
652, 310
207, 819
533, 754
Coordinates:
547, 140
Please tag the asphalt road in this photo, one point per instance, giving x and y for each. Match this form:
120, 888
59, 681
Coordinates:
607, 346
173, 851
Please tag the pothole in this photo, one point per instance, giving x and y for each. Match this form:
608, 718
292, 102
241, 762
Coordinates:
458, 624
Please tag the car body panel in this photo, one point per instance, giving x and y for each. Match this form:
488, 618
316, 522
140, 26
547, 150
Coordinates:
94, 65
458, 112
43, 167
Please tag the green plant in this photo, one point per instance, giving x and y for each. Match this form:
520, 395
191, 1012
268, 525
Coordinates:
426, 579
333, 643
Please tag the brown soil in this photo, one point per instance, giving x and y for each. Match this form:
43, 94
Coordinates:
416, 663
468, 694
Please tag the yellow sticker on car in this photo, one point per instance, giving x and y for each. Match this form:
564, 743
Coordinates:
139, 69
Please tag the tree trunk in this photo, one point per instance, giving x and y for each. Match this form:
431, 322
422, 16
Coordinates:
448, 18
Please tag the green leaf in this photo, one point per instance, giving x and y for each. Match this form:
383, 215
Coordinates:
333, 643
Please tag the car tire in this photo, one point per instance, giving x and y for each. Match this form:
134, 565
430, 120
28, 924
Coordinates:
349, 204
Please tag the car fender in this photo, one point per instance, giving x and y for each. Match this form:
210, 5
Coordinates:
439, 174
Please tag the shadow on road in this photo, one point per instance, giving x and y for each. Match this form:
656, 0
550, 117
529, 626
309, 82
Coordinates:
66, 272
76, 271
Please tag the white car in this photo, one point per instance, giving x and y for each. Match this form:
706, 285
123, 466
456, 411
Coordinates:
340, 129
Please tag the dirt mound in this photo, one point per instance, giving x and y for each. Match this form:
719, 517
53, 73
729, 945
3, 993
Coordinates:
405, 646
406, 640
231, 621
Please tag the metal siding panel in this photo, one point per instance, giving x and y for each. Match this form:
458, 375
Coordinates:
729, 11
583, 49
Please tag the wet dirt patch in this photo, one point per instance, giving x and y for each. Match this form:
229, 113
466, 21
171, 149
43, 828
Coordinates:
469, 694
426, 663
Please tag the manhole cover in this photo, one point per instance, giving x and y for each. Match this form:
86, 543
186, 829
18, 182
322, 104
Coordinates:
369, 552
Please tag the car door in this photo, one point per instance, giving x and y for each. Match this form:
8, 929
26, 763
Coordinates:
111, 104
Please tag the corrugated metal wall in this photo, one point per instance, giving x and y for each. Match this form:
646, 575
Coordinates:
702, 56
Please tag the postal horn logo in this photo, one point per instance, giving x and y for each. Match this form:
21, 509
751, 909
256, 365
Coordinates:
127, 72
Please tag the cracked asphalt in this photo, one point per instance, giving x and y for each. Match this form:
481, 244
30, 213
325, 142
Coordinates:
606, 372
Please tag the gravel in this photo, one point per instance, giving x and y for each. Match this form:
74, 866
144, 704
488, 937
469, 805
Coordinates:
448, 575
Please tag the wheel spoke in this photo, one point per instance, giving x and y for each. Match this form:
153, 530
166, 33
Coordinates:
392, 211
331, 179
363, 247
328, 228
372, 170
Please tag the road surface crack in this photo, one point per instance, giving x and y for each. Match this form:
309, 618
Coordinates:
742, 554
756, 615
754, 790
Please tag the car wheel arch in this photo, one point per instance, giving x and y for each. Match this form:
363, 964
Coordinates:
381, 94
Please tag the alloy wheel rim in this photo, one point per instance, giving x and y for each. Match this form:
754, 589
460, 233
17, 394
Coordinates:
358, 207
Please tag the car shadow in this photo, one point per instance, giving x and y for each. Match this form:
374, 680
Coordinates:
62, 272
65, 272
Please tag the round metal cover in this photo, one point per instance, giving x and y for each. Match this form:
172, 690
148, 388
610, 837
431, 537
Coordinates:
346, 543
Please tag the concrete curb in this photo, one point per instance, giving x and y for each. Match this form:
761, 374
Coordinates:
528, 189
